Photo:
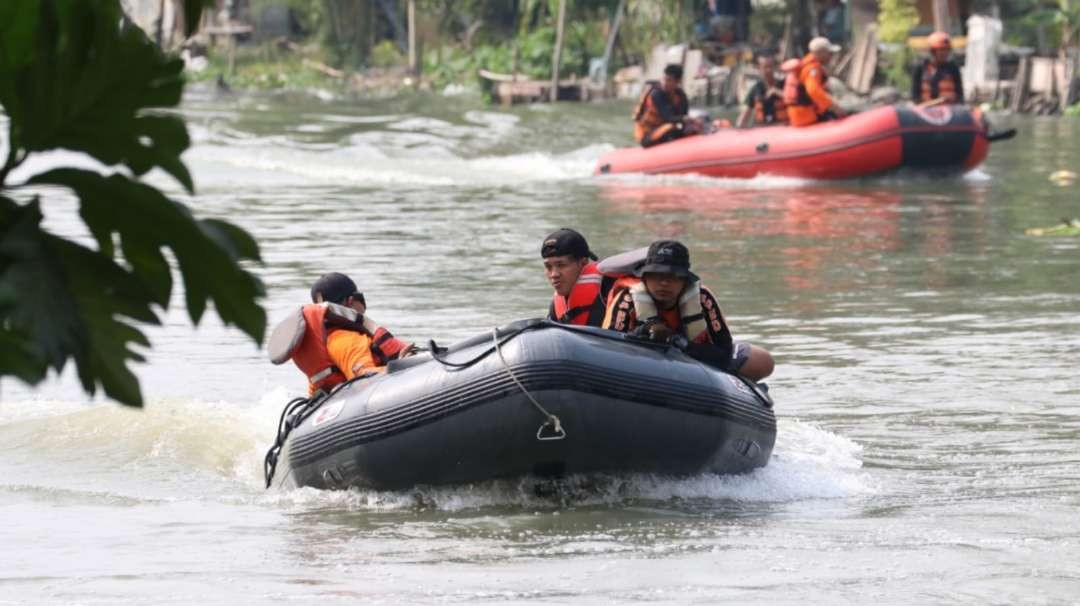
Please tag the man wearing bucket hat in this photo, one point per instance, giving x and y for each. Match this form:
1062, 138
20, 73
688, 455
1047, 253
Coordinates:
665, 301
806, 87
937, 79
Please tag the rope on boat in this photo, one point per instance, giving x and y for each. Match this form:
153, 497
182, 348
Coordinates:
552, 420
292, 416
285, 426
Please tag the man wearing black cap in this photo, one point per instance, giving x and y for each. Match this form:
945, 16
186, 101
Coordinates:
580, 289
361, 348
669, 301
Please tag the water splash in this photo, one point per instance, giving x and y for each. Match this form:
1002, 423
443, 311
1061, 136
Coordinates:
187, 444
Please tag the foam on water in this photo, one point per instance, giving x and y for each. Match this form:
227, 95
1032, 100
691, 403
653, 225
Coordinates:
223, 443
363, 163
807, 463
767, 182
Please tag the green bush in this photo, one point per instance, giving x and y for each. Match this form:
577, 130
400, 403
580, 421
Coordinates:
895, 20
898, 71
386, 54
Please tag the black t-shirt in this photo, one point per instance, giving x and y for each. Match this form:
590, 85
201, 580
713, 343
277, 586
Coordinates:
768, 103
670, 110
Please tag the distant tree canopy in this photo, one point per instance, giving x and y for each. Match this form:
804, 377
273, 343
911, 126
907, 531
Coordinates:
74, 77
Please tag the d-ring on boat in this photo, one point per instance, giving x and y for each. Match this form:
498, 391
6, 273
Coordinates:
533, 397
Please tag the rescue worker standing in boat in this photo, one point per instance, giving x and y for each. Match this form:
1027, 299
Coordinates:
765, 101
661, 113
665, 301
580, 289
937, 79
806, 87
335, 350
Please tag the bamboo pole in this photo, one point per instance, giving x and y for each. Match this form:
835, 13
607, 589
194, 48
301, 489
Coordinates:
941, 15
610, 46
410, 13
557, 58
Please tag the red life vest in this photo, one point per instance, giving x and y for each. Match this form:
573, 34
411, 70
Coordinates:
585, 305
384, 346
308, 349
311, 355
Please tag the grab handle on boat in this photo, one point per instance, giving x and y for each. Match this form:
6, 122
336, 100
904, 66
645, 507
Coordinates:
559, 434
1001, 135
550, 419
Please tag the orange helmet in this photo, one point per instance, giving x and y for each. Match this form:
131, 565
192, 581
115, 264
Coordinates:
939, 40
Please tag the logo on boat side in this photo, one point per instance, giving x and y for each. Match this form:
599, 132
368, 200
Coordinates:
328, 413
938, 115
739, 385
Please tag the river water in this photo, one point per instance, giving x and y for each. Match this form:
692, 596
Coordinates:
926, 387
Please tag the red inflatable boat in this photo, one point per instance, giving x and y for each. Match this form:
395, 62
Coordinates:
945, 137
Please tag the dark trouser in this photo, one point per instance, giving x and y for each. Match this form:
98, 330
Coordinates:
662, 134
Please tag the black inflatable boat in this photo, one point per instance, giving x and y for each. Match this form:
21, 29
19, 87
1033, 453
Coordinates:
529, 398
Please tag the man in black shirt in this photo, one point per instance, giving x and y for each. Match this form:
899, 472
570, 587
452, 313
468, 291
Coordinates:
765, 101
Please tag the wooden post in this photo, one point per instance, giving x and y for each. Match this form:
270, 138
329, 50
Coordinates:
414, 62
614, 33
941, 15
557, 58
1020, 89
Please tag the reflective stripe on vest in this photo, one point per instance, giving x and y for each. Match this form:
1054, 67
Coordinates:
584, 298
690, 314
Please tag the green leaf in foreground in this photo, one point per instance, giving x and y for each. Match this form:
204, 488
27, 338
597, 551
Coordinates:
73, 76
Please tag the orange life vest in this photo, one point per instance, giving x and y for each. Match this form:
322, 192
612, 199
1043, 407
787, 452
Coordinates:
647, 117
779, 109
311, 355
801, 109
585, 305
938, 83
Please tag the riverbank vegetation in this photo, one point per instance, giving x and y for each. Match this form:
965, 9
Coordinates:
74, 77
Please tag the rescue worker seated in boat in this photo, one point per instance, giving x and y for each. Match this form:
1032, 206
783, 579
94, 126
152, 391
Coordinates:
580, 289
937, 79
665, 301
765, 101
340, 342
806, 86
661, 113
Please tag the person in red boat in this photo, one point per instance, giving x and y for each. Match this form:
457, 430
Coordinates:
661, 114
937, 79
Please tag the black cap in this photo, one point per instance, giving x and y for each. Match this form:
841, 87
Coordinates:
667, 257
674, 70
565, 241
333, 287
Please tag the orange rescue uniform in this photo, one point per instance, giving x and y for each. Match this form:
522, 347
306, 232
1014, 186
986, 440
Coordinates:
806, 92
